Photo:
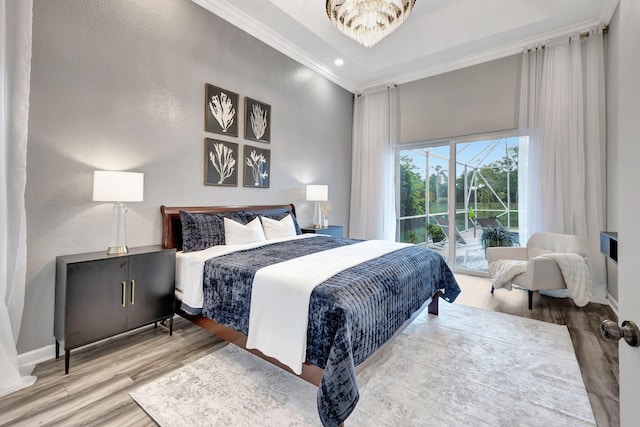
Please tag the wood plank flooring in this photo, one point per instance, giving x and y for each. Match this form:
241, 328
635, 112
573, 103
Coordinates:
95, 392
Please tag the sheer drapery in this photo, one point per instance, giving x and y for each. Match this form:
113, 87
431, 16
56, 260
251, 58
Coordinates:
15, 61
562, 110
375, 129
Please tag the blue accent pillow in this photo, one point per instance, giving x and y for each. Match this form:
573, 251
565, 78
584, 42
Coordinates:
201, 231
276, 215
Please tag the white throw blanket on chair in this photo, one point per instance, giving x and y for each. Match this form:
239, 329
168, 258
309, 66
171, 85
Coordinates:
573, 267
576, 275
504, 270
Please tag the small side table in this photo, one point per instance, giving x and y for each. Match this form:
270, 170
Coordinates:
609, 245
331, 230
100, 295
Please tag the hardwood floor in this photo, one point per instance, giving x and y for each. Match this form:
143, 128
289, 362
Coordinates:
96, 390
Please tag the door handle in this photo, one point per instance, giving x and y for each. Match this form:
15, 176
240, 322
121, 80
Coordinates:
629, 331
133, 292
124, 294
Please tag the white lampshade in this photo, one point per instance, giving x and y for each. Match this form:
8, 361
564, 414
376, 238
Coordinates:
317, 193
118, 187
115, 186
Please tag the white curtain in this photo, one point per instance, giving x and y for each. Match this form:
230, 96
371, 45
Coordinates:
15, 61
375, 133
562, 110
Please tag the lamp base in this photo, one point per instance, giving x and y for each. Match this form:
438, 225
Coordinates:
118, 242
117, 250
317, 216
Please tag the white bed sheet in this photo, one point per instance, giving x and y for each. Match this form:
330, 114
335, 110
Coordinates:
190, 266
281, 292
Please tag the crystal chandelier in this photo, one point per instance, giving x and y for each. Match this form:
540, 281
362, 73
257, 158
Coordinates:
368, 21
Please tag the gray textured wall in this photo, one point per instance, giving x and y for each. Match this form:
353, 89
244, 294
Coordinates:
477, 99
120, 85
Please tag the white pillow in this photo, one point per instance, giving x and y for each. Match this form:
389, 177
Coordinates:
237, 234
274, 229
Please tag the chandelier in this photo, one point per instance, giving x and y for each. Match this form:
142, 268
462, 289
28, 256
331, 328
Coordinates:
368, 21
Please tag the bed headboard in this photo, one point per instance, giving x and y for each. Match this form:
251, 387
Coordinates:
172, 228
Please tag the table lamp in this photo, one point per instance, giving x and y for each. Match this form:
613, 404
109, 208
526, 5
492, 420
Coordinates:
317, 193
118, 187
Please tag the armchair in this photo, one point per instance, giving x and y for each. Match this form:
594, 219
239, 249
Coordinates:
540, 272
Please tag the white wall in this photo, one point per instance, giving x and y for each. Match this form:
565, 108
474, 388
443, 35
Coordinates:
477, 99
612, 52
626, 68
120, 85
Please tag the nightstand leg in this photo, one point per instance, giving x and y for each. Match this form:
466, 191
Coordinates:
67, 356
171, 326
57, 349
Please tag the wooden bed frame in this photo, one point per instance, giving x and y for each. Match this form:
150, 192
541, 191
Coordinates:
172, 238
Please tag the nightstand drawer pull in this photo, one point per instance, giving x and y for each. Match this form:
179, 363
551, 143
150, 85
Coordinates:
96, 292
124, 294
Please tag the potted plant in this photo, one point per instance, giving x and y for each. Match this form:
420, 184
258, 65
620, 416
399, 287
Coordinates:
435, 232
498, 236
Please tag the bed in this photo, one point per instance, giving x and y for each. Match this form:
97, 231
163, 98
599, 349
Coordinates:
351, 314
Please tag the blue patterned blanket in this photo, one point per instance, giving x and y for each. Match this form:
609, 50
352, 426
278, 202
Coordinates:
350, 315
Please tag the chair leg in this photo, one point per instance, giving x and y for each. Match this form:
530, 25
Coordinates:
530, 299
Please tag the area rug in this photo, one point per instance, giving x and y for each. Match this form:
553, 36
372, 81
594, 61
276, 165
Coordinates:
464, 367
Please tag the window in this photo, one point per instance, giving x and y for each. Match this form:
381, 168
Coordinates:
485, 193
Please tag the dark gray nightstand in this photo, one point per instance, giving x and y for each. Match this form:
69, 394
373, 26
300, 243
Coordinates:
331, 230
100, 295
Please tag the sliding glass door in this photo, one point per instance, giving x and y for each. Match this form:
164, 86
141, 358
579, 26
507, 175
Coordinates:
484, 189
423, 196
486, 196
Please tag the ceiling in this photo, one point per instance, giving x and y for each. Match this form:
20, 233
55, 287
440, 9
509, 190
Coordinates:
438, 36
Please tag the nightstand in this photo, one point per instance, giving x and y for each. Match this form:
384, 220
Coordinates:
331, 230
100, 295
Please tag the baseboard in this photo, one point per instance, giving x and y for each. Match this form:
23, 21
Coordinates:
36, 356
39, 355
613, 303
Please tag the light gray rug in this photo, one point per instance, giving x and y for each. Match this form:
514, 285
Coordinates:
464, 367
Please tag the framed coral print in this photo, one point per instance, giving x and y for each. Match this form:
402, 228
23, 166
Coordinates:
257, 167
257, 120
220, 110
220, 163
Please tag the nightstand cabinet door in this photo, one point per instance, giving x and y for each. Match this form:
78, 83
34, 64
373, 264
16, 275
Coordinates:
151, 288
100, 295
94, 304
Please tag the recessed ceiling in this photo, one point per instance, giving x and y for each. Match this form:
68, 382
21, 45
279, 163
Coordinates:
438, 36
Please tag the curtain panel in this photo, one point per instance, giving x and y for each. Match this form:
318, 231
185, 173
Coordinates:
375, 134
562, 104
15, 61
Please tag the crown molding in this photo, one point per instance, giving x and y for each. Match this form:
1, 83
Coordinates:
607, 10
483, 56
238, 18
255, 28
